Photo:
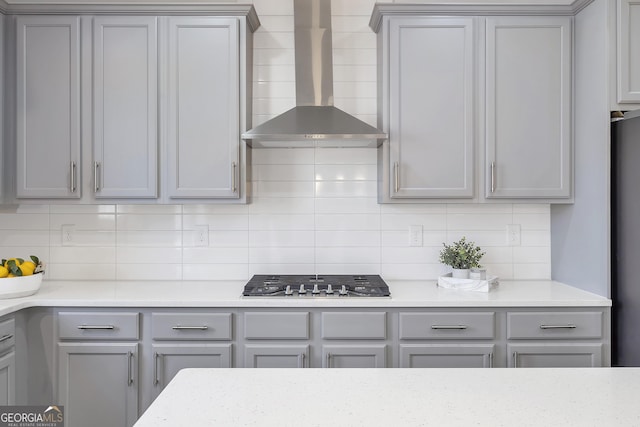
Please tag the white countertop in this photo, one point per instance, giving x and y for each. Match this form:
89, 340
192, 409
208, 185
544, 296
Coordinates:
399, 397
534, 293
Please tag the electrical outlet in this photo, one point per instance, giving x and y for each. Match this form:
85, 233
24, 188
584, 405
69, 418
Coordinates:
68, 234
415, 235
513, 234
202, 235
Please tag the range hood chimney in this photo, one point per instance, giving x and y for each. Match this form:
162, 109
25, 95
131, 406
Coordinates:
314, 121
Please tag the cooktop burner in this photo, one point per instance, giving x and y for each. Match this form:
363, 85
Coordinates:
299, 286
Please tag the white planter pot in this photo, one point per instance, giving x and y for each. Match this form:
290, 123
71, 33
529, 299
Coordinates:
460, 273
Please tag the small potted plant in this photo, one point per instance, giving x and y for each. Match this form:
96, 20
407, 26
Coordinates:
461, 256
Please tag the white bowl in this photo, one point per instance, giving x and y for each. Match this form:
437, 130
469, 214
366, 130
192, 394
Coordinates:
15, 287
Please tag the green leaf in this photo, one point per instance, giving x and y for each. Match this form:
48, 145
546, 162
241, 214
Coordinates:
13, 268
35, 259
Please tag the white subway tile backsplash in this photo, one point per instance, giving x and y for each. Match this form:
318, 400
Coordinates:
82, 255
347, 255
215, 209
216, 221
285, 255
24, 221
281, 238
215, 272
281, 222
347, 205
85, 271
347, 238
400, 238
283, 156
284, 189
149, 271
410, 255
346, 156
403, 222
128, 222
24, 238
83, 238
540, 221
420, 271
83, 221
275, 23
82, 209
152, 238
340, 173
531, 255
346, 188
413, 209
281, 269
209, 255
283, 172
496, 222
24, 209
282, 205
531, 271
149, 209
348, 268
145, 255
478, 208
347, 222
266, 56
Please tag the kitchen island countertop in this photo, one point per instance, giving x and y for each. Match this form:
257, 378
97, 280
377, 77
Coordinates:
402, 397
517, 293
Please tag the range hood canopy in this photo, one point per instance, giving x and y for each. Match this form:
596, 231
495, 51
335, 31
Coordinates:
314, 118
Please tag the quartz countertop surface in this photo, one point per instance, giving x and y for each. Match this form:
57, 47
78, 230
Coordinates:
534, 293
399, 397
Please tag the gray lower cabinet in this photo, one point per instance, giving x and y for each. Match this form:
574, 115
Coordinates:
276, 356
354, 356
447, 339
555, 339
98, 365
168, 359
98, 383
446, 355
7, 362
553, 355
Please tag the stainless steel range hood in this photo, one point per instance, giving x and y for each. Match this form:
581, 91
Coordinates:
314, 121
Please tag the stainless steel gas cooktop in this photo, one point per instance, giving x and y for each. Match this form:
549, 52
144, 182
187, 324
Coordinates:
327, 286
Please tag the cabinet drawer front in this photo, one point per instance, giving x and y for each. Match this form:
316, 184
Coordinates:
420, 326
554, 325
7, 335
98, 326
191, 326
293, 326
356, 325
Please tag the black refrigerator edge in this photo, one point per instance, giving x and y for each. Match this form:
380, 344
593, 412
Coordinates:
625, 240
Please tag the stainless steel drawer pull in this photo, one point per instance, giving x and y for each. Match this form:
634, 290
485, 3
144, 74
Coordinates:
491, 360
301, 360
96, 327
448, 326
493, 177
569, 326
96, 185
130, 368
6, 337
396, 176
156, 356
328, 360
234, 167
198, 328
515, 359
72, 177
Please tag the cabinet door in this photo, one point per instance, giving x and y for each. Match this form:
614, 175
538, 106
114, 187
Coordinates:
431, 123
8, 379
48, 107
528, 107
203, 124
446, 356
125, 70
354, 356
98, 383
554, 355
628, 51
276, 356
168, 359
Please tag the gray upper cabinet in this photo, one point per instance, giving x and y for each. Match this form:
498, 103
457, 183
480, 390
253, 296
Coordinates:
125, 107
528, 107
204, 112
427, 107
48, 107
628, 52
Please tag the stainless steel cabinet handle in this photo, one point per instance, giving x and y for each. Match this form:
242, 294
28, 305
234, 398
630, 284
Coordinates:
130, 368
99, 327
448, 326
569, 326
396, 176
233, 177
515, 359
198, 328
72, 178
96, 168
493, 176
328, 360
491, 360
301, 360
6, 337
156, 380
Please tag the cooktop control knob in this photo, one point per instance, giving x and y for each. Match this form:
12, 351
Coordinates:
315, 290
329, 290
343, 290
302, 290
288, 290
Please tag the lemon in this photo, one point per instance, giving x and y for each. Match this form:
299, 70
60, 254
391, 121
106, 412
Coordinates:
18, 262
28, 265
26, 271
4, 272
